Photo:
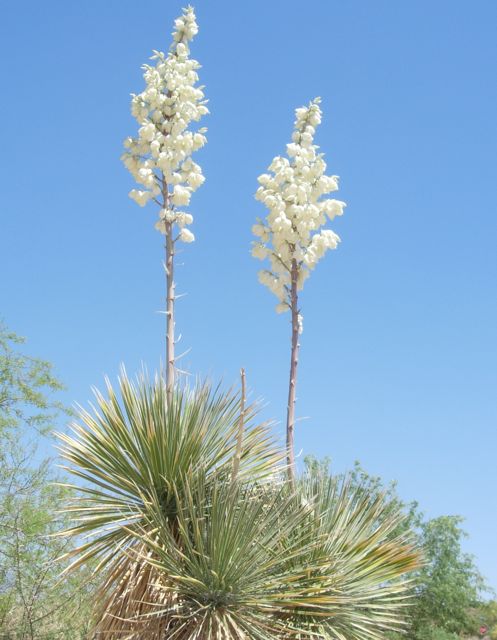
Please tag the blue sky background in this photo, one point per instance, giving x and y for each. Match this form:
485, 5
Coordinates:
398, 361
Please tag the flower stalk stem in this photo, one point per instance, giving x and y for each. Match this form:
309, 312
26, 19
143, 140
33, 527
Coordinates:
170, 300
292, 385
241, 426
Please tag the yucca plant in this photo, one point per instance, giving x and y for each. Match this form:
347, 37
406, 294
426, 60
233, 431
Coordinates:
264, 562
135, 449
186, 549
368, 556
235, 565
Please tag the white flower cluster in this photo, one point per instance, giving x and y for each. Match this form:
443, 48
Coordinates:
160, 157
293, 192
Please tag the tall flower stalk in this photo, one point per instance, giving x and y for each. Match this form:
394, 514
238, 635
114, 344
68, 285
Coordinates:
159, 158
291, 237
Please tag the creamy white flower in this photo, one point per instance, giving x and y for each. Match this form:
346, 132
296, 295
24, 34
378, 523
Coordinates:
259, 250
160, 225
186, 235
332, 207
293, 190
195, 179
180, 196
159, 157
182, 219
140, 197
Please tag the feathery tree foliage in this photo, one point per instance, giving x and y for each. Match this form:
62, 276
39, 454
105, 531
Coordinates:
33, 602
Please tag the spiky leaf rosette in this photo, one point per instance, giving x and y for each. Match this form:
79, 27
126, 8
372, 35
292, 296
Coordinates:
368, 562
258, 562
191, 552
237, 565
134, 450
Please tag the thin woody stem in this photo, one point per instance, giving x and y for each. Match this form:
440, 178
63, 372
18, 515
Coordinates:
292, 386
170, 299
170, 370
241, 424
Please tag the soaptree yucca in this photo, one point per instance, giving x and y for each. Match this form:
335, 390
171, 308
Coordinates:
186, 549
196, 528
137, 449
262, 562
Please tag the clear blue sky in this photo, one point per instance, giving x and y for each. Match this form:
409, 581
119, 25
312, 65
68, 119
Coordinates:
399, 356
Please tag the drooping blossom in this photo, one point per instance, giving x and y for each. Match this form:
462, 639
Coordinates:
159, 158
295, 191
